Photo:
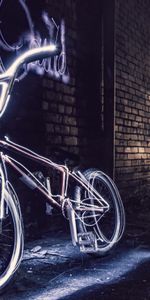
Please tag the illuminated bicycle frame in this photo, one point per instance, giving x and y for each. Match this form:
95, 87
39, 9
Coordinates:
62, 198
7, 80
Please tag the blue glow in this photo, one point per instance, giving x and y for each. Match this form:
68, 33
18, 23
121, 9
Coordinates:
94, 274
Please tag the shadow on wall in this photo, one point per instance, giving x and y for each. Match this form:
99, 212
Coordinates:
89, 75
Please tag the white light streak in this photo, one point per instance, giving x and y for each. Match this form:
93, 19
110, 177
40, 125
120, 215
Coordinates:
8, 77
2, 192
55, 67
3, 98
25, 56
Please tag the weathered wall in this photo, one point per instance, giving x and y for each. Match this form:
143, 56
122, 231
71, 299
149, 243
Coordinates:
72, 111
132, 135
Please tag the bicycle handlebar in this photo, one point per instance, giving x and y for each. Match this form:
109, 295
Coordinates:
29, 56
8, 77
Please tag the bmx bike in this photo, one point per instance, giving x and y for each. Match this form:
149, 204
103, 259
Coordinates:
94, 207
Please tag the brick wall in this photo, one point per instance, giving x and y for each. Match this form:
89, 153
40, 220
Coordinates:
71, 111
59, 98
68, 115
132, 122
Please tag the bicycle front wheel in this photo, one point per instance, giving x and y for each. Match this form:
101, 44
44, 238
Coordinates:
11, 239
108, 225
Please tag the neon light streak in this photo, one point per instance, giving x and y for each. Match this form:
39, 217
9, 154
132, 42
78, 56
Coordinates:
55, 67
2, 192
8, 77
24, 57
3, 100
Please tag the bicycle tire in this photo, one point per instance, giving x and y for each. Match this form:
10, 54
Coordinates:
12, 225
111, 195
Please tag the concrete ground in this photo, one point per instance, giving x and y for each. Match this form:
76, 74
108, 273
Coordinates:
52, 268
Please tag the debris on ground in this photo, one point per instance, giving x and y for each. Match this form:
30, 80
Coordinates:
36, 249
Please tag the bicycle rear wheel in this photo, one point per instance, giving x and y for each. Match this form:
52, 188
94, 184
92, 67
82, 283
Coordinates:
11, 239
107, 226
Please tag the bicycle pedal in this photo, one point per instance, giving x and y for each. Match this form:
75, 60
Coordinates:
87, 242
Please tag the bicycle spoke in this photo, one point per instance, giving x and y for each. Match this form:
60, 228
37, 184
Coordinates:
107, 224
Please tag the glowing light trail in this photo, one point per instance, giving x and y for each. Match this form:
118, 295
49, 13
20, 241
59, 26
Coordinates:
55, 67
9, 76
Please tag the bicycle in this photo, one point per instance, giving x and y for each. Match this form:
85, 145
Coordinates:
95, 210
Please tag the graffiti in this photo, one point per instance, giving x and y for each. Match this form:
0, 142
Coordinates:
55, 67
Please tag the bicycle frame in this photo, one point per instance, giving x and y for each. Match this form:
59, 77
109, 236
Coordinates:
64, 171
60, 201
84, 210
